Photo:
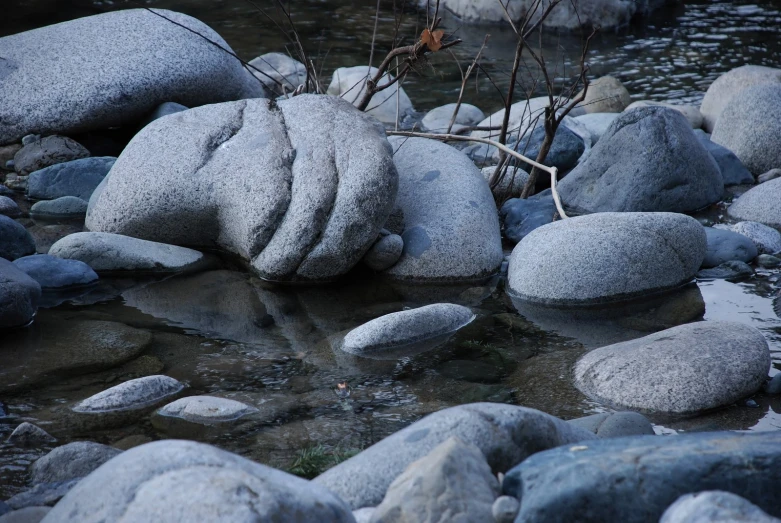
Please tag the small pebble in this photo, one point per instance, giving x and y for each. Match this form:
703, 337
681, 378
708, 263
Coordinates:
774, 385
768, 261
30, 138
505, 509
752, 404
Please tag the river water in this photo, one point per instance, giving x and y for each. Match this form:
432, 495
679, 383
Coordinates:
224, 332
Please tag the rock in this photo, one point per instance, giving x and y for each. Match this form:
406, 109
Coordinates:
523, 115
767, 261
250, 179
438, 120
750, 125
452, 483
42, 495
119, 66
29, 435
597, 123
767, 239
731, 270
45, 152
164, 109
46, 234
686, 369
278, 72
9, 208
15, 241
726, 86
511, 183
714, 507
759, 204
506, 434
451, 228
25, 515
16, 183
732, 169
106, 252
648, 160
5, 191
406, 327
67, 207
363, 515
72, 461
349, 83
77, 178
615, 424
520, 217
566, 149
724, 246
606, 257
134, 394
186, 481
774, 385
606, 95
505, 509
7, 153
692, 114
19, 295
600, 480
772, 174
56, 273
206, 409
4, 508
385, 252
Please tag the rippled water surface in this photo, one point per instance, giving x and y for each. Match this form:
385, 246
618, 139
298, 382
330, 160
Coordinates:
224, 332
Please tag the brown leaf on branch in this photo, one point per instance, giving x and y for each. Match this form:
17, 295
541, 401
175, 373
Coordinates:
432, 39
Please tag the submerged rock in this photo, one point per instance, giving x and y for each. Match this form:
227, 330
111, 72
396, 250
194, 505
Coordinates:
349, 83
206, 409
72, 461
19, 296
714, 506
606, 257
45, 152
599, 481
406, 327
106, 252
77, 178
186, 481
686, 369
615, 424
260, 179
118, 67
729, 85
759, 204
731, 270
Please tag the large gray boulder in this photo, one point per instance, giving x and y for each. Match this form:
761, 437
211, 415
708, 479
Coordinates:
184, 481
506, 434
451, 228
635, 479
111, 69
300, 188
686, 369
452, 483
19, 295
649, 159
606, 257
15, 240
726, 86
71, 461
750, 127
77, 178
759, 204
714, 506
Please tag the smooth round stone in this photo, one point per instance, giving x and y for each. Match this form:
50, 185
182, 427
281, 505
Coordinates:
9, 208
384, 253
715, 506
511, 183
759, 204
278, 72
774, 385
67, 207
686, 369
407, 327
131, 395
27, 435
52, 272
77, 178
437, 120
768, 261
767, 239
725, 246
19, 297
15, 240
505, 508
206, 409
692, 114
606, 95
730, 84
71, 461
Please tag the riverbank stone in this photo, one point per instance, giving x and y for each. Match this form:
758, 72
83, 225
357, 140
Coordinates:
15, 241
767, 239
77, 178
438, 119
692, 114
615, 424
606, 95
732, 169
205, 409
172, 57
520, 217
685, 369
566, 148
730, 270
9, 208
759, 204
187, 481
506, 434
385, 252
19, 296
648, 160
131, 395
52, 272
29, 435
599, 481
72, 461
714, 506
730, 84
725, 246
349, 83
65, 207
606, 257
45, 152
278, 72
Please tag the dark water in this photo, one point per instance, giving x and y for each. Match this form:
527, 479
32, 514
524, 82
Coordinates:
224, 332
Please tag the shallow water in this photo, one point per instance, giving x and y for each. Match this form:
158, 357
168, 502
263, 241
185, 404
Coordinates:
224, 332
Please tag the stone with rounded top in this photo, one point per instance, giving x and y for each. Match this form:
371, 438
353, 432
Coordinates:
714, 506
48, 151
77, 178
71, 461
206, 409
65, 207
15, 240
131, 395
52, 272
19, 296
759, 204
729, 85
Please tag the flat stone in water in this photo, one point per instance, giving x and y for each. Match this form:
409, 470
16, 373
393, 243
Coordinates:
731, 270
52, 272
131, 395
206, 409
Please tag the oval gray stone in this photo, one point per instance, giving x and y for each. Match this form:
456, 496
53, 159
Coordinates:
15, 240
714, 506
726, 246
71, 461
19, 295
205, 409
606, 257
505, 509
45, 152
384, 253
767, 239
728, 85
406, 327
131, 395
77, 178
52, 272
686, 369
9, 208
67, 207
759, 204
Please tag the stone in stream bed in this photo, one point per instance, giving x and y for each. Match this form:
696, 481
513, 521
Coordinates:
520, 217
278, 72
767, 239
71, 461
438, 120
9, 208
29, 435
766, 261
77, 178
205, 409
615, 424
19, 296
692, 114
385, 252
453, 482
511, 183
65, 207
731, 270
106, 252
15, 241
730, 84
42, 494
732, 169
349, 83
759, 204
406, 327
725, 246
714, 506
44, 152
505, 508
506, 435
598, 481
683, 370
176, 480
136, 394
52, 272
